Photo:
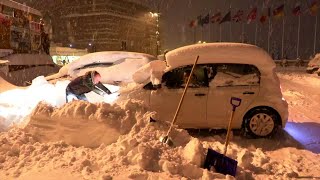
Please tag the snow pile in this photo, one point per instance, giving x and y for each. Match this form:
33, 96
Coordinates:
315, 61
16, 104
97, 123
5, 85
152, 71
56, 140
63, 71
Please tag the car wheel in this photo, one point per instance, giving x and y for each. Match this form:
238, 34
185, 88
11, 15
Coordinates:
260, 122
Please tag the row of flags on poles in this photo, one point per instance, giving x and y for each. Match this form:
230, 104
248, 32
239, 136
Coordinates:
252, 15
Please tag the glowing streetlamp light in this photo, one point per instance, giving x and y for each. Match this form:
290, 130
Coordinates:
157, 16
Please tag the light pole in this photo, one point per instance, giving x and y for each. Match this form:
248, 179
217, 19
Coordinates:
157, 16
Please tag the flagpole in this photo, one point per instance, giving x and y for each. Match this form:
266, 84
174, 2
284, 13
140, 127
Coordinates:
255, 34
315, 36
201, 34
242, 29
282, 48
298, 42
209, 27
269, 34
220, 32
230, 36
194, 34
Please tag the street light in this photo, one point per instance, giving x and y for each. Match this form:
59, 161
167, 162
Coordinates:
157, 16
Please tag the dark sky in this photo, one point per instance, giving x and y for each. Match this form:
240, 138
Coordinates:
176, 15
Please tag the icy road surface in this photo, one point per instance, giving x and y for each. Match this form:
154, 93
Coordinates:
301, 90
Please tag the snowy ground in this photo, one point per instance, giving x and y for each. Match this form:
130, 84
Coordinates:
37, 151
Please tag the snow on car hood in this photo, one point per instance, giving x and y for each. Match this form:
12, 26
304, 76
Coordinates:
114, 66
106, 57
152, 71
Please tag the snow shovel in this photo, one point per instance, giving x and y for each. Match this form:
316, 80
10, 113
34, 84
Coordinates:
221, 162
166, 139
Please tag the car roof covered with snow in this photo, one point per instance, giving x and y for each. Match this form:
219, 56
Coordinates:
220, 53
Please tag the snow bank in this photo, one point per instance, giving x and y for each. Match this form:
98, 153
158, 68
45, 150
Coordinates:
63, 71
81, 140
315, 61
46, 146
16, 104
5, 85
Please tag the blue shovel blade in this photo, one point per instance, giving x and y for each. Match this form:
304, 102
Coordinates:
221, 163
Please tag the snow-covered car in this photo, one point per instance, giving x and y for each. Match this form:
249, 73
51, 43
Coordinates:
114, 66
224, 70
314, 65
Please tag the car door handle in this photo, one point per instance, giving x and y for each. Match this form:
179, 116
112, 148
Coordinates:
248, 92
199, 94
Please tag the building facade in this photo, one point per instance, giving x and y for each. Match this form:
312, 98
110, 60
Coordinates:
101, 25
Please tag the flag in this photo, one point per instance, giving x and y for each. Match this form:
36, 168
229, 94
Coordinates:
252, 15
238, 16
193, 23
266, 3
279, 11
216, 17
314, 8
206, 19
199, 20
5, 20
226, 18
296, 10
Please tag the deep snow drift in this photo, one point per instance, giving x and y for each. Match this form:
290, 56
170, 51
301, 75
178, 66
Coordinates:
71, 141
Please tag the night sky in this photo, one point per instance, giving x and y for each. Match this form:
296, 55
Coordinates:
177, 14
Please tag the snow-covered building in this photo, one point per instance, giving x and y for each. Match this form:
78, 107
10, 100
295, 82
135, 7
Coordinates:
101, 25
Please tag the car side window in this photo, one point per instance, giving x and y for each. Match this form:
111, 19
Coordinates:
235, 75
177, 78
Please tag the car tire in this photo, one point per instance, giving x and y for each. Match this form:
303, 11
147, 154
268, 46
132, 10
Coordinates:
260, 122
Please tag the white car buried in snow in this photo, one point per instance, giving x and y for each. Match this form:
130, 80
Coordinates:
114, 66
224, 70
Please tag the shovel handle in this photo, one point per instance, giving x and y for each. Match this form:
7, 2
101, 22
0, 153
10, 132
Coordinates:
235, 102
